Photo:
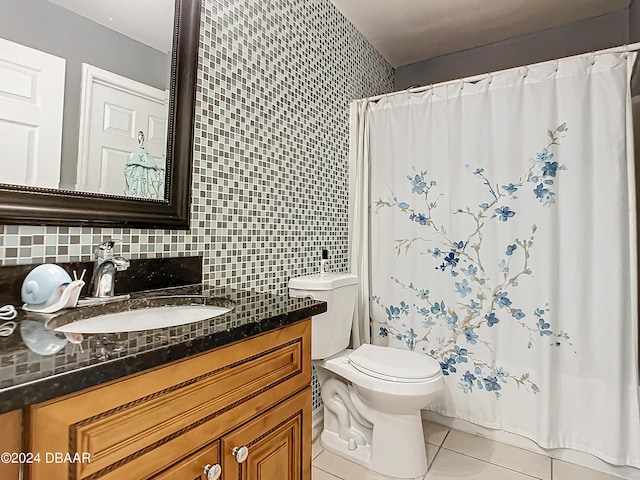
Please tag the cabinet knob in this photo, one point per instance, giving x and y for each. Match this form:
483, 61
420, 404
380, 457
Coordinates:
240, 453
212, 471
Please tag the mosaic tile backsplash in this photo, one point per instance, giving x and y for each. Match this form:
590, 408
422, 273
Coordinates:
270, 169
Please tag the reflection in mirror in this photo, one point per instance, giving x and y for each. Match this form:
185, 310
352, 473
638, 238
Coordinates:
119, 61
80, 80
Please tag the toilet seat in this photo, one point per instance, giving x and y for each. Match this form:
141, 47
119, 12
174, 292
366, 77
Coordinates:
393, 364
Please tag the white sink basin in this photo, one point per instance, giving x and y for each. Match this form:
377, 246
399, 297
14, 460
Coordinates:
143, 319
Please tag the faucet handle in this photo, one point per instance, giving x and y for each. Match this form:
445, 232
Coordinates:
105, 249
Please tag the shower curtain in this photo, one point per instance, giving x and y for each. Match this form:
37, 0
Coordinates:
495, 221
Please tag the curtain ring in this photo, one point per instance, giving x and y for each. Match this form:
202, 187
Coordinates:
557, 66
461, 84
489, 79
526, 72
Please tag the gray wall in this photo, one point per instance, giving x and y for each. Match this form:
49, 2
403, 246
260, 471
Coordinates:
634, 21
585, 36
52, 29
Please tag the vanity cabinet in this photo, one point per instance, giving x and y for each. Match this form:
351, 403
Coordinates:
245, 407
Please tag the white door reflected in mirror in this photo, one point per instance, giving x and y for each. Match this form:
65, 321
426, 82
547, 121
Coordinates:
31, 107
113, 110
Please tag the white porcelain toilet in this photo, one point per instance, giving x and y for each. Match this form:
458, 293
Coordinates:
372, 395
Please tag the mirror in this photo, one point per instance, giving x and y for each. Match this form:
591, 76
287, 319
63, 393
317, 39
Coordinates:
88, 182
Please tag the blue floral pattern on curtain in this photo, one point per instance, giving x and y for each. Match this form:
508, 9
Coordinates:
484, 302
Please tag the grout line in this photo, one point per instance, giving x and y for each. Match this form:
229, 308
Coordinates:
491, 463
445, 437
436, 455
330, 473
317, 454
497, 464
432, 462
325, 471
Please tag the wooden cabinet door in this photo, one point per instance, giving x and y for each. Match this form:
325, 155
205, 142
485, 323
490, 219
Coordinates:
278, 443
193, 467
11, 441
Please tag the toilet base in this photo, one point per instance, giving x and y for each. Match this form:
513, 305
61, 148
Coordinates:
333, 443
397, 447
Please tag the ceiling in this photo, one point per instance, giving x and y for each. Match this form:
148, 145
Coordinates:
403, 31
408, 31
147, 21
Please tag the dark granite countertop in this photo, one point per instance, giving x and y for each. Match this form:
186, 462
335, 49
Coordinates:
37, 364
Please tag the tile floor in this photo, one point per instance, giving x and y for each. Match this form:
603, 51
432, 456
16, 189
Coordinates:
457, 455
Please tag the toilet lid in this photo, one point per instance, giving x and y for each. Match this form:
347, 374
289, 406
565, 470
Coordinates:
394, 364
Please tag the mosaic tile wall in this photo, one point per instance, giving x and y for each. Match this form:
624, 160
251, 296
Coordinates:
270, 165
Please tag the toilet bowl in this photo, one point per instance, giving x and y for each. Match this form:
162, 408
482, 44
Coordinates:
372, 395
390, 408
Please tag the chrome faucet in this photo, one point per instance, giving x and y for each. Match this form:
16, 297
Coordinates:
104, 272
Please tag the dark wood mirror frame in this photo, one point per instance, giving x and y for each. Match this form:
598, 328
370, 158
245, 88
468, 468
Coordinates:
40, 206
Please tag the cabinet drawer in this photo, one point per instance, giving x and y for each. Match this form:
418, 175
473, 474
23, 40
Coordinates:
135, 427
192, 467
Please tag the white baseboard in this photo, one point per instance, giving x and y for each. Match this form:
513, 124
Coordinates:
571, 456
317, 423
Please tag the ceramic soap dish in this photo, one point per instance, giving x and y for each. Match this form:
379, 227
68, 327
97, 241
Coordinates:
48, 288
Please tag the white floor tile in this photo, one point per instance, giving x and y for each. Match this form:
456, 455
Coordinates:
569, 471
455, 466
462, 457
434, 433
317, 474
450, 465
514, 458
345, 469
316, 448
432, 450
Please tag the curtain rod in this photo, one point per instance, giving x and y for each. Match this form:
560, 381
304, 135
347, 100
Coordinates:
621, 49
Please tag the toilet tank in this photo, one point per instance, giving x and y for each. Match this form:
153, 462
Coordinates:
330, 331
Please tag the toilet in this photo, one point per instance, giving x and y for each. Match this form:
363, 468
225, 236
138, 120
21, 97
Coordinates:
372, 395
